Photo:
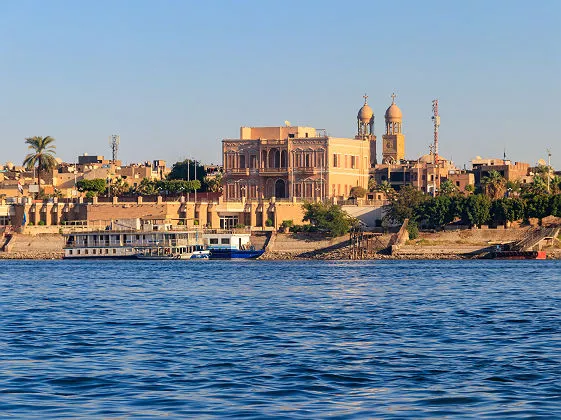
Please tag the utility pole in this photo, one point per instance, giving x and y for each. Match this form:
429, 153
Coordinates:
548, 168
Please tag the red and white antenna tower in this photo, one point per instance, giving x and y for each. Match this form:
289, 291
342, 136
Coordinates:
436, 121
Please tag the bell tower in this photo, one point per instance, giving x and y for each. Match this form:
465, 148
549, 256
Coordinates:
393, 142
365, 128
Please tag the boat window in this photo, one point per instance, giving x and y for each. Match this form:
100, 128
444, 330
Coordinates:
93, 252
70, 252
77, 252
114, 251
86, 252
213, 241
225, 241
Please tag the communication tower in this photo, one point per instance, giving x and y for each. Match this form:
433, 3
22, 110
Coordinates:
436, 122
114, 142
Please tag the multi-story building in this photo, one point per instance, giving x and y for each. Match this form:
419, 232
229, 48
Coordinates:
293, 163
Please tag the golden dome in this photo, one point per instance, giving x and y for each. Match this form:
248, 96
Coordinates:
365, 113
393, 112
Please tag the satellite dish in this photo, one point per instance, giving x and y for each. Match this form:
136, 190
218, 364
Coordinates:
541, 162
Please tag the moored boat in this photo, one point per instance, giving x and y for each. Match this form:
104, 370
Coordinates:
150, 241
226, 245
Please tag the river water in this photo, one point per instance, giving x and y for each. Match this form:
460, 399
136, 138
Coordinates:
211, 339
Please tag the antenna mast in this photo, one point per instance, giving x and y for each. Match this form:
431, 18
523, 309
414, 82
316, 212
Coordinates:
436, 121
548, 168
114, 142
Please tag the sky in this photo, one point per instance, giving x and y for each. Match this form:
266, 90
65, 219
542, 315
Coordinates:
175, 77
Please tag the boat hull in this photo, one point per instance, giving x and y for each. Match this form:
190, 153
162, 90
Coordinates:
230, 254
519, 255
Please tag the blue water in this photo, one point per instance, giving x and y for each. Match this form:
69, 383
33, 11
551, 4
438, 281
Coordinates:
344, 340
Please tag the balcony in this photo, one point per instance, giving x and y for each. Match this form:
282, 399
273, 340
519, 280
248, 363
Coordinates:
238, 171
273, 171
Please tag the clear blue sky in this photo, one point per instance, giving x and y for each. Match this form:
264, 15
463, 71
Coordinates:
175, 77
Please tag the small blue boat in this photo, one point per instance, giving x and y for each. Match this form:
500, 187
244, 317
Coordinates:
227, 245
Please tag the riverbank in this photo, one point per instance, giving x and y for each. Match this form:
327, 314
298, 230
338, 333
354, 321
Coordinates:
446, 245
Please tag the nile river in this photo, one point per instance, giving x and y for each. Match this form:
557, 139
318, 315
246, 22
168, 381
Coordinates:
206, 339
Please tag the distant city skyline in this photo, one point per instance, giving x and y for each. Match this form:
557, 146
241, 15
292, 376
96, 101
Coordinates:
173, 78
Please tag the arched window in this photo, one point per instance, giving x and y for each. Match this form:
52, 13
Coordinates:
280, 188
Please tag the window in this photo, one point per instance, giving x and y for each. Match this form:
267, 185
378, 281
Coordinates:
353, 162
114, 251
307, 160
253, 161
225, 241
306, 135
70, 252
457, 183
336, 160
242, 161
213, 241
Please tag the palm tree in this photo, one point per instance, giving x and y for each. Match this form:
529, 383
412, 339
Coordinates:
42, 155
494, 185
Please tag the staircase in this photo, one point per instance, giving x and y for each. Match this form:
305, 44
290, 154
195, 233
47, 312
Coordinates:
535, 237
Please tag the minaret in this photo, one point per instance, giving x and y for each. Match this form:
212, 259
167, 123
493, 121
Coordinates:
393, 146
365, 128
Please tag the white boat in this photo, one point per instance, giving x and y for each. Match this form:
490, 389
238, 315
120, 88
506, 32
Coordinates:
150, 241
172, 253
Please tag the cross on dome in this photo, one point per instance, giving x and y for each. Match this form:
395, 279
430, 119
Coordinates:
393, 97
365, 98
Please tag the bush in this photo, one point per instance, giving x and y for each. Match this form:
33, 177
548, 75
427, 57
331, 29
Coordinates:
357, 192
239, 226
268, 223
413, 230
30, 224
196, 222
41, 223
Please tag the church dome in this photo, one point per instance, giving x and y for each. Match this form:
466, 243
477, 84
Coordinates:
365, 113
393, 113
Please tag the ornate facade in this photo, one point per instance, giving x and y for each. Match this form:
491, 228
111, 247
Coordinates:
293, 163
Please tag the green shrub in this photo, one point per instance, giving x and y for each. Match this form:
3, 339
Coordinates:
268, 223
41, 223
413, 230
30, 224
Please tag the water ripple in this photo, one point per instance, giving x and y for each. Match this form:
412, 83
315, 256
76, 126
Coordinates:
421, 339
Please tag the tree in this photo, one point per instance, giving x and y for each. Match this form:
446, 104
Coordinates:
447, 187
476, 210
329, 218
556, 205
187, 170
405, 204
213, 183
177, 186
387, 189
513, 187
357, 192
146, 187
92, 186
494, 185
436, 212
538, 206
119, 187
372, 184
42, 155
507, 209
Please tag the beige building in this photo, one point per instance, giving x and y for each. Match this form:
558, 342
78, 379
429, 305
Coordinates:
293, 163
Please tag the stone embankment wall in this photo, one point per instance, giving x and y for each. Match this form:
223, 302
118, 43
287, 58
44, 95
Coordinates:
457, 244
286, 246
40, 247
